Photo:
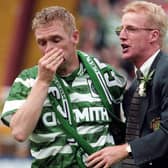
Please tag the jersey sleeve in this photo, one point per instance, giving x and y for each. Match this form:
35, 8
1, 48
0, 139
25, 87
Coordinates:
17, 95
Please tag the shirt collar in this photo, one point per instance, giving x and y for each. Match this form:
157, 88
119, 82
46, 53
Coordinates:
147, 64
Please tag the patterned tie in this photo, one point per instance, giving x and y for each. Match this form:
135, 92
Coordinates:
132, 129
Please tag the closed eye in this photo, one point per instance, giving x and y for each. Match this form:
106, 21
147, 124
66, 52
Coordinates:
41, 42
55, 39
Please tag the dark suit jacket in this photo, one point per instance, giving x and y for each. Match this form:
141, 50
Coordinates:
151, 149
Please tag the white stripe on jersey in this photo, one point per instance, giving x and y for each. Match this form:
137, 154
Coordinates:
28, 82
80, 81
103, 140
51, 151
13, 104
77, 97
40, 138
90, 129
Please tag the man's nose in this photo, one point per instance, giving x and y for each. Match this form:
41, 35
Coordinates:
123, 33
50, 45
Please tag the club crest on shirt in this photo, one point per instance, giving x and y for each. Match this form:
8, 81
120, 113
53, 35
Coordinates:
155, 123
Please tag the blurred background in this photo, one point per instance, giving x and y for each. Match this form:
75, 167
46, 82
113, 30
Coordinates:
96, 20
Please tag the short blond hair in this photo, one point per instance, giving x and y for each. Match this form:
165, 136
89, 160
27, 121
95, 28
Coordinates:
54, 13
156, 15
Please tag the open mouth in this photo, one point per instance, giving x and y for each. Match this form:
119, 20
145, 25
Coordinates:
125, 47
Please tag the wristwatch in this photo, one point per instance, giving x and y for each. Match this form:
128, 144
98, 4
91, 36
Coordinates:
128, 149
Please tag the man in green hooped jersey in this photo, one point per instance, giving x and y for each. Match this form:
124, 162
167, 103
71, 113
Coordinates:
65, 104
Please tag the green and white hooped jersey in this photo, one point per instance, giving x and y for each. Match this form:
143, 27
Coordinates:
50, 146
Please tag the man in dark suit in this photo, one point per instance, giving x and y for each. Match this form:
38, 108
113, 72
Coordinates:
144, 26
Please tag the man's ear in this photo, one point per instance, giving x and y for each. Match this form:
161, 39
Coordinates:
75, 37
154, 36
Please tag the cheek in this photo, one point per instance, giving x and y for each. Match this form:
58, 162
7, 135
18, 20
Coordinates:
63, 44
68, 50
67, 45
140, 46
137, 44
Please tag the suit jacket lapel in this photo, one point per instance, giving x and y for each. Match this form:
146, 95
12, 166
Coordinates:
145, 100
